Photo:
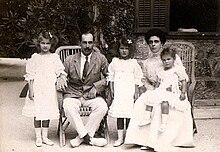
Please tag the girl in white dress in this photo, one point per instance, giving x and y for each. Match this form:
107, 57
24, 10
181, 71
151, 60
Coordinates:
167, 90
42, 71
124, 75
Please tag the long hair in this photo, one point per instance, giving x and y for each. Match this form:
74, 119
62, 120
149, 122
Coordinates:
126, 42
47, 35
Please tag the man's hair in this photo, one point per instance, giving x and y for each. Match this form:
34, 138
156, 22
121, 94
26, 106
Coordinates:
155, 32
86, 34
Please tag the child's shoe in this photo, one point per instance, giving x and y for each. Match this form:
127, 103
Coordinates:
45, 137
146, 119
47, 141
162, 127
118, 143
144, 122
164, 123
120, 140
38, 137
38, 142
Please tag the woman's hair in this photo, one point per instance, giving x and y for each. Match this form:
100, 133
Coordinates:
169, 51
48, 35
126, 42
155, 32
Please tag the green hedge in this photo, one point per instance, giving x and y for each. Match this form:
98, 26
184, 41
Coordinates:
22, 20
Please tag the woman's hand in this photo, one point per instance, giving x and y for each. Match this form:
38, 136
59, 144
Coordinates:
157, 82
142, 89
182, 96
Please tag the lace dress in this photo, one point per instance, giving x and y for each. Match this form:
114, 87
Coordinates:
43, 70
179, 131
125, 74
168, 79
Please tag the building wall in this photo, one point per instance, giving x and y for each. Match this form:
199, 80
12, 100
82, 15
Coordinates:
207, 65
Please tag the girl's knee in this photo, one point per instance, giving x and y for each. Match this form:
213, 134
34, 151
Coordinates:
165, 107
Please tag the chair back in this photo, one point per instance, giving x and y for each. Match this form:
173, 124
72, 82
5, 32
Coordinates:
65, 51
186, 52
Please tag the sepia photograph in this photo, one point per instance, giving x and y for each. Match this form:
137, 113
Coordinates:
109, 75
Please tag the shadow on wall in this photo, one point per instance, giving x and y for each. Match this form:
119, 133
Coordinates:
12, 68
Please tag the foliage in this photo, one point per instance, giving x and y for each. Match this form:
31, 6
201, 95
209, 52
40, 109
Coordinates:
24, 19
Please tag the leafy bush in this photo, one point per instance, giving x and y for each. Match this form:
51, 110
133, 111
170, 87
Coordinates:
24, 19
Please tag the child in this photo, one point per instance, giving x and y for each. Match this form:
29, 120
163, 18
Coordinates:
167, 90
42, 71
124, 75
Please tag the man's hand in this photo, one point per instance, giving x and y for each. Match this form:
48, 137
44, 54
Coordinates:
61, 84
92, 93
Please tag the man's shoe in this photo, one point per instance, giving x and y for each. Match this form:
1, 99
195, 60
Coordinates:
145, 148
76, 142
99, 142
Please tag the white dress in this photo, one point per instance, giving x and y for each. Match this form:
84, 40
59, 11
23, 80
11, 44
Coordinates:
125, 74
179, 130
168, 78
43, 70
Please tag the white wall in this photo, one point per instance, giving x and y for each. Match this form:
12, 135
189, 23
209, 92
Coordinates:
12, 67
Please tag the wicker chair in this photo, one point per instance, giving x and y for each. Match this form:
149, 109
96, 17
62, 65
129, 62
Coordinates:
63, 52
186, 51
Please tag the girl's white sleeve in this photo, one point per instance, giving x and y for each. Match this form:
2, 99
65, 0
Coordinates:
181, 72
59, 67
30, 68
111, 70
138, 74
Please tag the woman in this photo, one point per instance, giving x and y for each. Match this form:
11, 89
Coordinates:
179, 130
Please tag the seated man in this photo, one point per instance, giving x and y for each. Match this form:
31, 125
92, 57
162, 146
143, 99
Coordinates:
84, 71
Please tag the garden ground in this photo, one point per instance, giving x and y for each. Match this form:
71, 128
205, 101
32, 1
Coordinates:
17, 132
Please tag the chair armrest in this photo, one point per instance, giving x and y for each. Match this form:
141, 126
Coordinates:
60, 99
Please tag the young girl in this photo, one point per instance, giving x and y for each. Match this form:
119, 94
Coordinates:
124, 75
42, 71
167, 90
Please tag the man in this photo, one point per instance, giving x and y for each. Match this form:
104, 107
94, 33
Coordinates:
85, 71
